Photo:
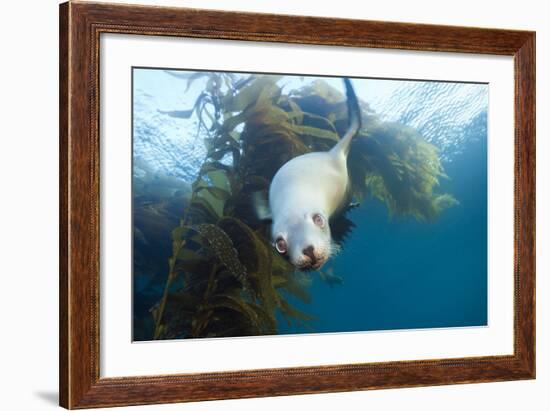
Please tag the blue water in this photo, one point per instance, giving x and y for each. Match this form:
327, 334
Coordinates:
397, 273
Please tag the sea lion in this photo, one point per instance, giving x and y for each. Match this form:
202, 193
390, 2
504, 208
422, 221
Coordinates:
306, 191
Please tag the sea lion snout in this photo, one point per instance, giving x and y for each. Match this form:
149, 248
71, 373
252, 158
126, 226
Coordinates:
312, 259
310, 253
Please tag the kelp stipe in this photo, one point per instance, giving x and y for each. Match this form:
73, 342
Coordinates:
225, 279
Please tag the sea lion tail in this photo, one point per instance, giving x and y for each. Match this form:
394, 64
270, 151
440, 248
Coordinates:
354, 114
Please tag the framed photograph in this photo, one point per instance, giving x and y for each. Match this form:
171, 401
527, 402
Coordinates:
259, 205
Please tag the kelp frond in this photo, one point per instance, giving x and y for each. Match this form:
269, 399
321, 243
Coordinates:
402, 170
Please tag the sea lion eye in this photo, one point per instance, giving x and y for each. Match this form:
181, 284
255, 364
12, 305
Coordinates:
318, 220
280, 245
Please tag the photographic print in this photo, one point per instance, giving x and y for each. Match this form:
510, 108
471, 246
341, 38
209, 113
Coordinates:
272, 204
249, 209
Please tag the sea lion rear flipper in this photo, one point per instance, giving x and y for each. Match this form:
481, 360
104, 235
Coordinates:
354, 114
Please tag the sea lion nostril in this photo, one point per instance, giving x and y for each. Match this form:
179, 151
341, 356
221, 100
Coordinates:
309, 252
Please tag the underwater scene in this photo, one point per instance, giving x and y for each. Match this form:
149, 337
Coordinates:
270, 204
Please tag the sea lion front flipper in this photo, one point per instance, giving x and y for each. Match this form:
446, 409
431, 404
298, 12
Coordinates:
340, 227
261, 206
330, 278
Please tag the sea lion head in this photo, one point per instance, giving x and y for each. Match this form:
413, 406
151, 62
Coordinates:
303, 238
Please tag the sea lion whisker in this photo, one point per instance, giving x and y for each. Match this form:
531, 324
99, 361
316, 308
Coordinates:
335, 249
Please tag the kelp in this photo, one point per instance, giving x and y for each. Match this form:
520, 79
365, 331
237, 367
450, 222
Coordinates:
224, 277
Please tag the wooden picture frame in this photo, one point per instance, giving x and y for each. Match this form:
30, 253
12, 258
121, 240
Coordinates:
81, 24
